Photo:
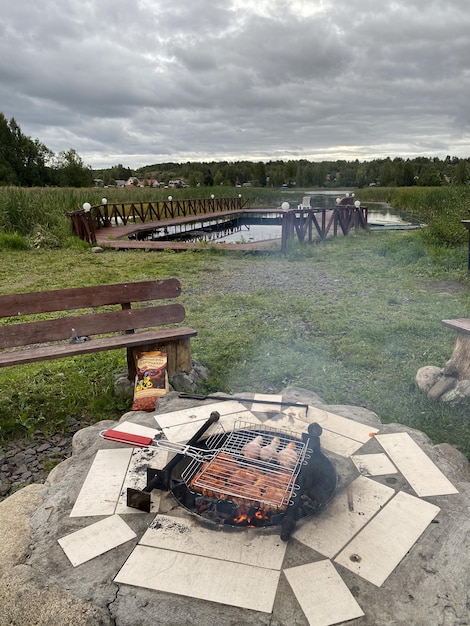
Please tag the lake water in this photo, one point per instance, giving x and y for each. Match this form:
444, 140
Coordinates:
379, 216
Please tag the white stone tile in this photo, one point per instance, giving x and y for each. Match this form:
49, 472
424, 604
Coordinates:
322, 594
214, 580
340, 435
297, 412
288, 421
422, 474
373, 464
102, 487
341, 425
379, 547
88, 543
250, 547
136, 429
182, 433
333, 528
344, 446
136, 478
273, 403
199, 413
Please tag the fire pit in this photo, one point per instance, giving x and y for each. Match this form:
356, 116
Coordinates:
255, 476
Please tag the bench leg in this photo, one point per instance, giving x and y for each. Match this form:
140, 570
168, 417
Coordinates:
131, 364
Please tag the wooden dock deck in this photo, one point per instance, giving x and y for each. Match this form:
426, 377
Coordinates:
117, 237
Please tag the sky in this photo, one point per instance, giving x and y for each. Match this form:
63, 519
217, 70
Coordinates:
138, 82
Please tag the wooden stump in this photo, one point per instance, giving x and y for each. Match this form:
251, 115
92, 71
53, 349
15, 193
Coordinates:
458, 365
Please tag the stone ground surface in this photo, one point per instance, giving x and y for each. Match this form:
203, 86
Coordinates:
39, 586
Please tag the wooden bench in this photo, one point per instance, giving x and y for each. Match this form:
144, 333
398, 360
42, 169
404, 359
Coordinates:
95, 319
459, 363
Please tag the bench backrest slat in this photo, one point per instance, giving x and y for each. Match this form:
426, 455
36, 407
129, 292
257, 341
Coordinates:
60, 329
12, 305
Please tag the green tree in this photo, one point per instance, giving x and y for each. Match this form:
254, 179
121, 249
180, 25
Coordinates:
461, 173
71, 170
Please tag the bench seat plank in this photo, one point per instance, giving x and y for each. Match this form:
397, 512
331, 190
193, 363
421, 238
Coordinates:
17, 304
60, 329
100, 344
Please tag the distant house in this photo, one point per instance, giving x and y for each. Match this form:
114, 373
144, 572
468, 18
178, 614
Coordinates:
120, 183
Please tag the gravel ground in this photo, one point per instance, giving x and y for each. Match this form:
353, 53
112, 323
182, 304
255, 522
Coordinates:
26, 461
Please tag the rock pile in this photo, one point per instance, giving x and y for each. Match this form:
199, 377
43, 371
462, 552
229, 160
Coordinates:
438, 384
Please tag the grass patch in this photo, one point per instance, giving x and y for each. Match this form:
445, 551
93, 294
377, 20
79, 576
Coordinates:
352, 319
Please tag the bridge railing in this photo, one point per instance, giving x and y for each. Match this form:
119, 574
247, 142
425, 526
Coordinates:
87, 220
326, 222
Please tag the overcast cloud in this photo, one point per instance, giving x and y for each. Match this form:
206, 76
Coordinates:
146, 81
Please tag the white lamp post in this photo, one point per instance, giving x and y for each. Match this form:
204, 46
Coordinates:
86, 207
170, 198
104, 201
285, 206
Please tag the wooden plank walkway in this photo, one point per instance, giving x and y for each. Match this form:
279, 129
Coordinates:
117, 237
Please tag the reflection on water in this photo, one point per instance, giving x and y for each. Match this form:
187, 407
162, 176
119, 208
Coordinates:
253, 232
244, 229
380, 214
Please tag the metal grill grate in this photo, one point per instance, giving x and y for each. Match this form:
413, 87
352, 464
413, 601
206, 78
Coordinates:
228, 473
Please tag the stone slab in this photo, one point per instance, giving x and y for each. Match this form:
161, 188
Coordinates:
346, 515
180, 426
249, 546
374, 464
272, 403
103, 484
339, 444
136, 429
377, 550
214, 580
341, 425
422, 474
92, 541
322, 594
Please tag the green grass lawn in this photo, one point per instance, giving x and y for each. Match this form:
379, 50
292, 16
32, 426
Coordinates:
351, 319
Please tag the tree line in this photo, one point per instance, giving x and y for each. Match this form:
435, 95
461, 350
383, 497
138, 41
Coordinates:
28, 162
397, 172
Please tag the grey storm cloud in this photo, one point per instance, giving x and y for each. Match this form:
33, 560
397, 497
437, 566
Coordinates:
144, 81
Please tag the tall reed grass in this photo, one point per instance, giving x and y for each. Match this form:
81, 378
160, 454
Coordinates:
441, 208
40, 214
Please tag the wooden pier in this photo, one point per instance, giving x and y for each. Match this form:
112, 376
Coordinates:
132, 225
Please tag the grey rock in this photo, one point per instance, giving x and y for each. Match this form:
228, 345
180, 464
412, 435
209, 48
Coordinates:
427, 377
444, 384
459, 394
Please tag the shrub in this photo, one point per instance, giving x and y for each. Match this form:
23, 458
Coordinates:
13, 242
